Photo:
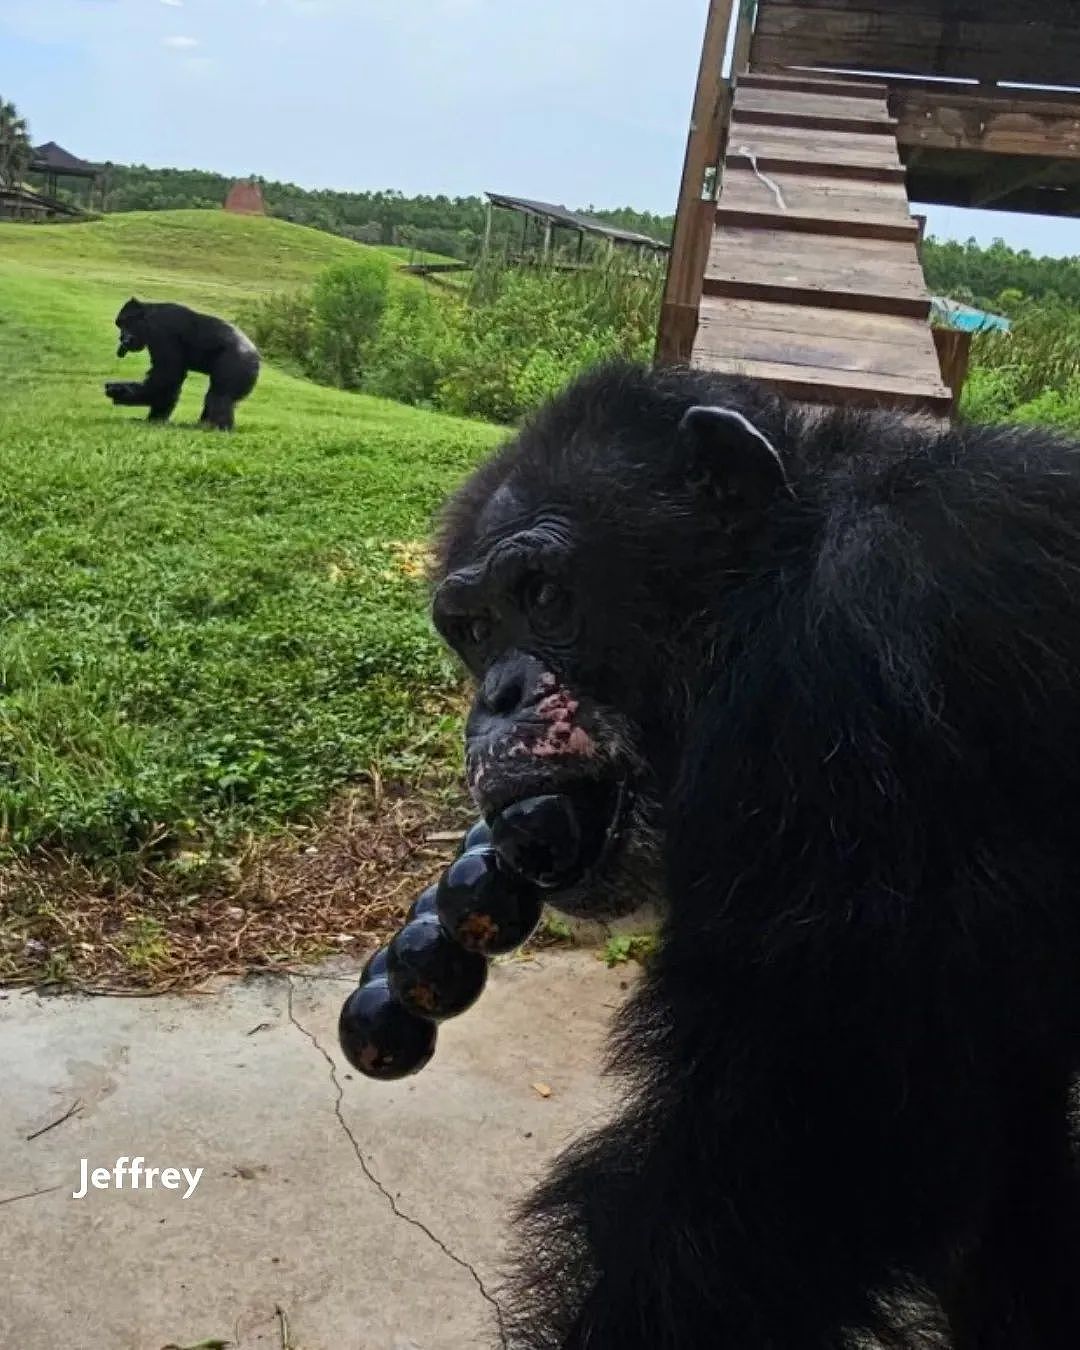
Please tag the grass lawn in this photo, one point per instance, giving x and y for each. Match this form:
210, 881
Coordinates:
402, 253
202, 634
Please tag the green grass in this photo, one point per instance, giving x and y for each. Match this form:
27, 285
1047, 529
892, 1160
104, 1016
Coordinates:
400, 253
200, 632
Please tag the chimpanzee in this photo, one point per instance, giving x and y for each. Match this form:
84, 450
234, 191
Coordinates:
180, 340
823, 668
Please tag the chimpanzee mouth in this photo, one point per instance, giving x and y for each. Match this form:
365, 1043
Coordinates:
562, 838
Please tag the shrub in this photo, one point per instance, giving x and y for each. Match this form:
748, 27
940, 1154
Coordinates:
494, 352
1031, 374
282, 327
349, 301
418, 331
524, 333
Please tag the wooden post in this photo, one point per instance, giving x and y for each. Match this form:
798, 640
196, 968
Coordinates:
744, 36
487, 228
547, 241
696, 214
954, 357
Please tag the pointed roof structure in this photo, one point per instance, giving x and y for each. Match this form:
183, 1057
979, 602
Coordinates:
54, 160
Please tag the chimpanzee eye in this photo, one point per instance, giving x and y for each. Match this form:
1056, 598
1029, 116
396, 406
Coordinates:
547, 604
478, 630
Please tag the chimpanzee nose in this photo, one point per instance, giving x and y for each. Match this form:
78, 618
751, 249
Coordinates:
514, 684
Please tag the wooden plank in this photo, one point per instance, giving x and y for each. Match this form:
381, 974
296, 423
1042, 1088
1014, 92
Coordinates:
807, 384
799, 101
863, 88
791, 163
848, 227
972, 11
827, 256
993, 125
837, 353
812, 121
807, 320
862, 274
1026, 48
832, 149
818, 193
901, 347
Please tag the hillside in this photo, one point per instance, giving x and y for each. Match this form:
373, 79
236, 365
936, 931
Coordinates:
200, 633
206, 254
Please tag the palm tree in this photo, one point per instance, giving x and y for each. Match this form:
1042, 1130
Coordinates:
15, 151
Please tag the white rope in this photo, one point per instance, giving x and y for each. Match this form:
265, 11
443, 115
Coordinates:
774, 188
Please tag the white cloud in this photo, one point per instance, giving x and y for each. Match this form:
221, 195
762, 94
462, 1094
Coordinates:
174, 4
181, 44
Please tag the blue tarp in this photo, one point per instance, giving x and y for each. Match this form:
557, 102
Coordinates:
952, 314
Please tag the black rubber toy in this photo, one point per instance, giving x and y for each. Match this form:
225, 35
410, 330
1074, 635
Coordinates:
486, 903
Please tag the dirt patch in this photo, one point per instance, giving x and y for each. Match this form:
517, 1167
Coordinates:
277, 904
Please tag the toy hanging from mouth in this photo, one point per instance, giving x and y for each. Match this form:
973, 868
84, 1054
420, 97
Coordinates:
486, 903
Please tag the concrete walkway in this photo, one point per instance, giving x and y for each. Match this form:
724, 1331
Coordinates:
372, 1215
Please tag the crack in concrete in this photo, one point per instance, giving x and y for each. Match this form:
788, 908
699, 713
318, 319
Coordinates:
29, 1195
366, 1168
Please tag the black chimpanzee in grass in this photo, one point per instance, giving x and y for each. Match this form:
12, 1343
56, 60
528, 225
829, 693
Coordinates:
829, 663
179, 340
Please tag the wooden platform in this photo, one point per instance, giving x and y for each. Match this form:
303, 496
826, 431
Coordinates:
813, 280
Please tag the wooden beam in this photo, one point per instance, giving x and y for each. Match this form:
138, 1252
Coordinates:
704, 150
1034, 45
968, 11
998, 123
1005, 181
937, 183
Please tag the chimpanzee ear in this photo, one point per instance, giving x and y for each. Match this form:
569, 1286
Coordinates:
723, 451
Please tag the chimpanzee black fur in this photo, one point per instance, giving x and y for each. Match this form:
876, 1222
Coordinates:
835, 658
180, 340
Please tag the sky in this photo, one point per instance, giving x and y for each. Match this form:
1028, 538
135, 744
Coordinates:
584, 102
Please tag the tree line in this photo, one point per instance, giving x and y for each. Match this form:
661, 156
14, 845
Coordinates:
436, 224
991, 277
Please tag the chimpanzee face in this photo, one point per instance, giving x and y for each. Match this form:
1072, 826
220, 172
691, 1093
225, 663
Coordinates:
522, 614
132, 324
575, 571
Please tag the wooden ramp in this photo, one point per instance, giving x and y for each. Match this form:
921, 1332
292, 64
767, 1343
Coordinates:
813, 281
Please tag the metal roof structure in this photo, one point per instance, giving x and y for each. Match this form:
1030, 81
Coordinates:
561, 216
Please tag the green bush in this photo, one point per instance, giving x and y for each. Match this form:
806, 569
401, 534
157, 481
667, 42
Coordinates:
348, 301
418, 331
1031, 374
282, 326
496, 351
523, 334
